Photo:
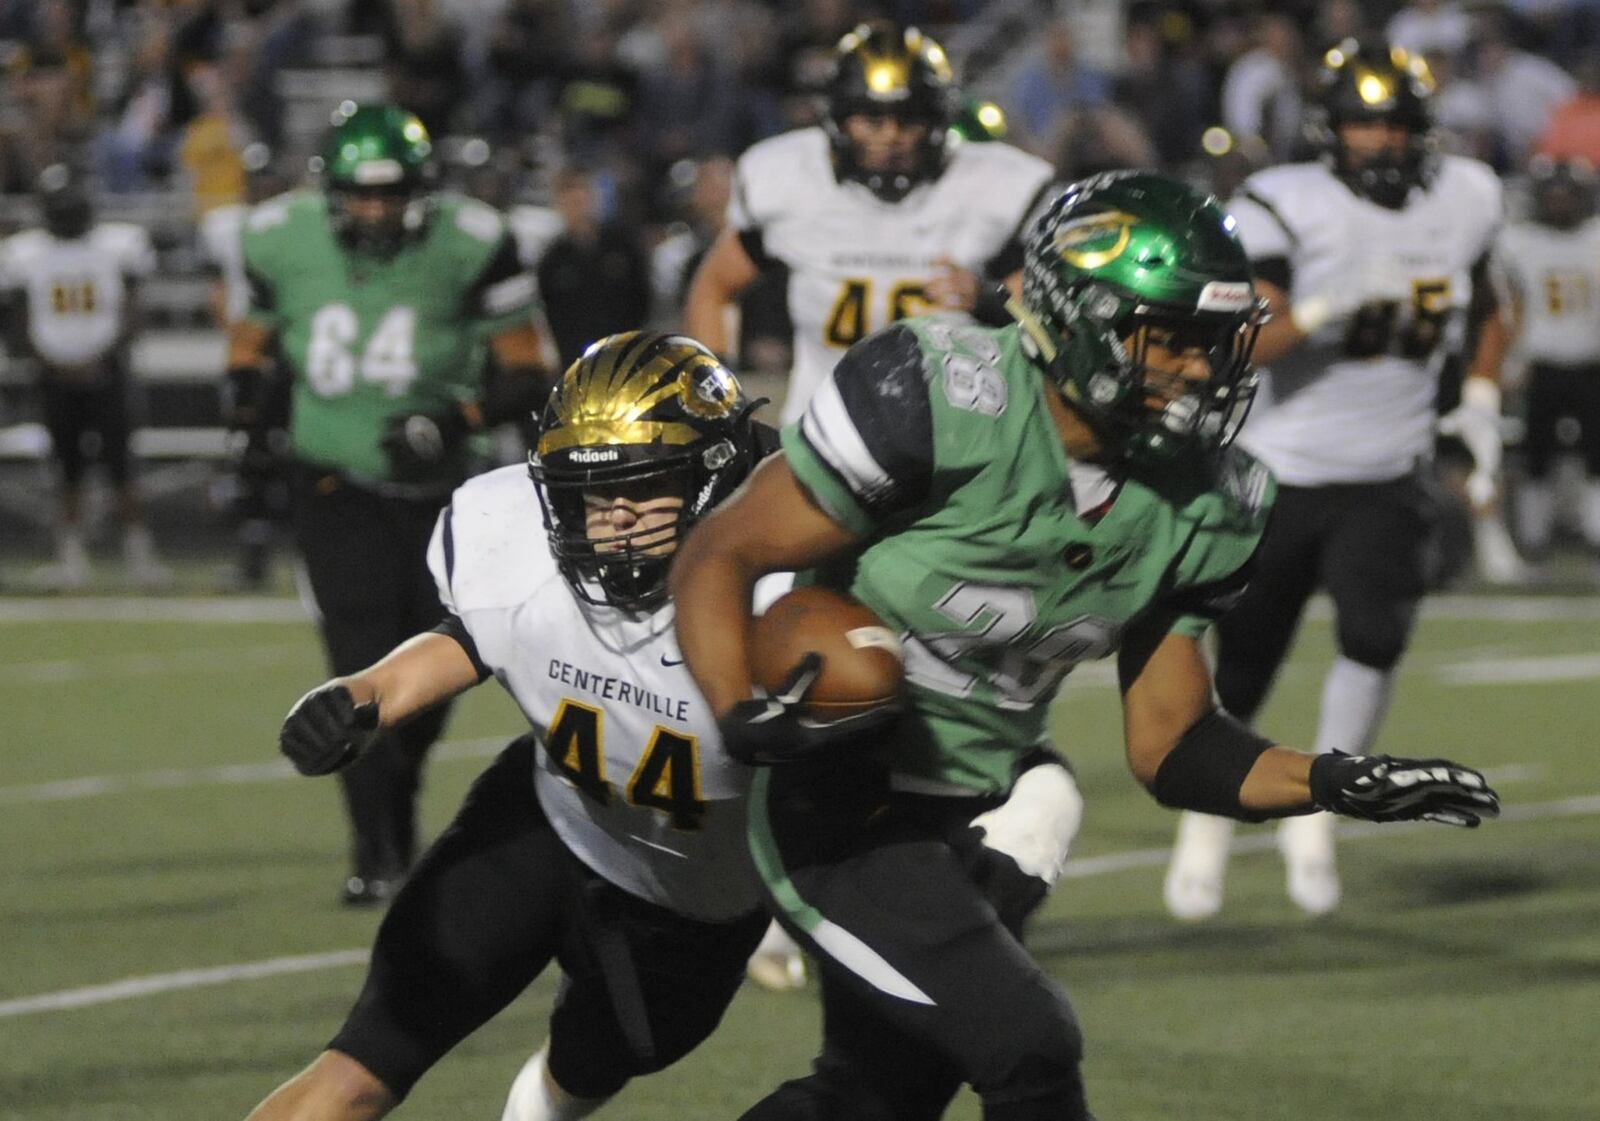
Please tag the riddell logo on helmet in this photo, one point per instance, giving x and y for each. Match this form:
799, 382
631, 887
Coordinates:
1225, 295
594, 455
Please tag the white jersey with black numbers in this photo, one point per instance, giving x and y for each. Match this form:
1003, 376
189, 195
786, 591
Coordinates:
77, 288
631, 773
856, 263
1554, 276
1358, 406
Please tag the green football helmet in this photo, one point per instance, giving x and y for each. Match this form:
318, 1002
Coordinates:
380, 153
1119, 261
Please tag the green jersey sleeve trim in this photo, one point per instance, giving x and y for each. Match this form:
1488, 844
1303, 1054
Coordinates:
823, 483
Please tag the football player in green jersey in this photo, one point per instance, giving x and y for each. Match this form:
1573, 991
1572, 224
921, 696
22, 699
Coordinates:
403, 321
1013, 501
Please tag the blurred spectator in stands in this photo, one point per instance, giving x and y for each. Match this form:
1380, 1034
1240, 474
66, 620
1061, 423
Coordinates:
212, 143
804, 53
700, 193
524, 58
1261, 93
1337, 21
175, 47
1430, 27
497, 179
76, 281
427, 73
594, 279
1164, 87
1574, 126
1101, 139
597, 102
1523, 87
1050, 86
688, 101
51, 70
271, 35
1462, 111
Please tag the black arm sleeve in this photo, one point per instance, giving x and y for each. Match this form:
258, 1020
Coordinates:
1009, 259
1274, 270
501, 285
263, 293
755, 247
1485, 300
456, 629
883, 388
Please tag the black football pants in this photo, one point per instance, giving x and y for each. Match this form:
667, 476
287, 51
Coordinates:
490, 905
365, 555
1363, 542
924, 986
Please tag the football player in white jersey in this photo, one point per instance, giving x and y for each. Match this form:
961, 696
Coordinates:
77, 279
877, 214
1550, 266
258, 493
611, 839
1373, 258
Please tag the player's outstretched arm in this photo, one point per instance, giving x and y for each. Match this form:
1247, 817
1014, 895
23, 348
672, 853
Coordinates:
1192, 756
770, 525
328, 728
724, 273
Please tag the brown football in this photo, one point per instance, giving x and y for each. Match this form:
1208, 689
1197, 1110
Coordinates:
861, 666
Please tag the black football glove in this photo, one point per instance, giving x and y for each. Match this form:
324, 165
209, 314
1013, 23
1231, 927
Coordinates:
326, 730
416, 443
774, 730
1386, 788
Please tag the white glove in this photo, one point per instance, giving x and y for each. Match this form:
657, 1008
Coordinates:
1374, 280
1476, 421
1036, 825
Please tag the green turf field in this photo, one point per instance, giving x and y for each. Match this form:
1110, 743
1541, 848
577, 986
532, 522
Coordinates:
150, 835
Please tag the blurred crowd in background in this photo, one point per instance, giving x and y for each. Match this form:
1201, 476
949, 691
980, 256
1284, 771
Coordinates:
605, 128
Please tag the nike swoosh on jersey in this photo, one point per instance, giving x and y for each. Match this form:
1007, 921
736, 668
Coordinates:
666, 661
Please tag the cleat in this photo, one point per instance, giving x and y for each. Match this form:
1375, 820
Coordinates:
1311, 873
1193, 887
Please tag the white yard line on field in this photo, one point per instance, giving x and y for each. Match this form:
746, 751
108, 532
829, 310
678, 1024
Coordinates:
235, 774
96, 609
132, 987
1077, 868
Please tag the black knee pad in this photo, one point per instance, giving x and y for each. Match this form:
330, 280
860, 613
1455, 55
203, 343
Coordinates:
1033, 1049
1376, 636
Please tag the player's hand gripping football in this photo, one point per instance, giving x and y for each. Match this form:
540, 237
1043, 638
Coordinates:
772, 729
326, 730
1388, 788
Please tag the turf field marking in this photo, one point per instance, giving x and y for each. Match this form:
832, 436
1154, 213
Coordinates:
234, 774
1520, 671
1077, 868
132, 987
95, 609
62, 671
